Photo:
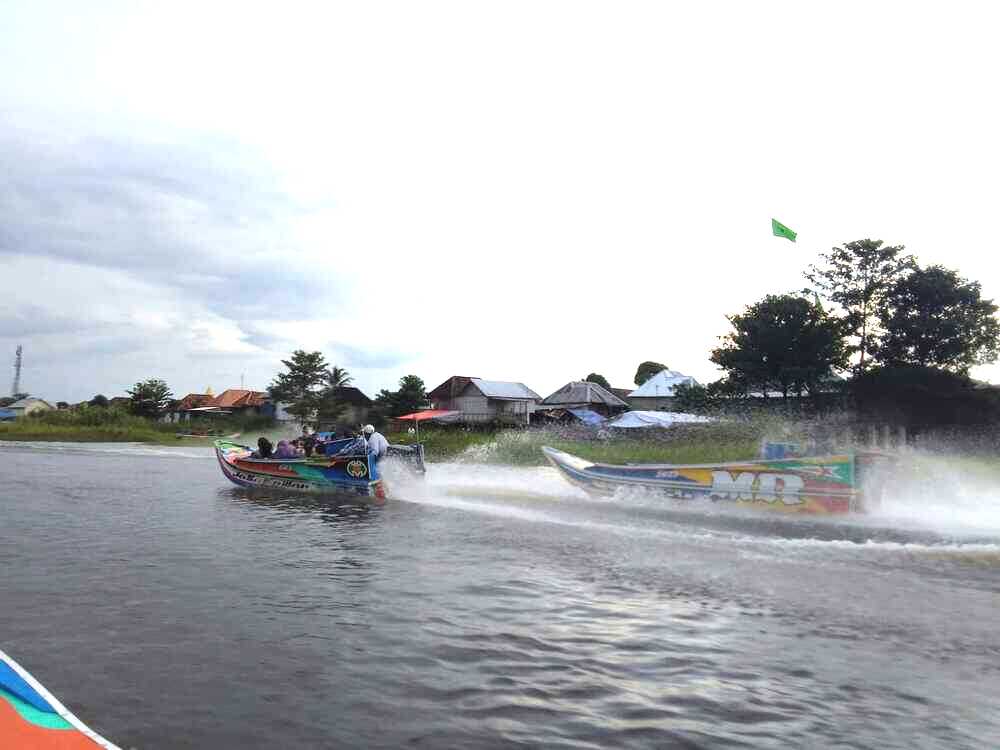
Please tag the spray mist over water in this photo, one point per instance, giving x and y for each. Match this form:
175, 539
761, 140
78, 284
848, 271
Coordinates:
946, 494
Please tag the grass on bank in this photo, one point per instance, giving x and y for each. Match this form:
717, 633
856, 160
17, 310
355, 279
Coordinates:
111, 425
703, 443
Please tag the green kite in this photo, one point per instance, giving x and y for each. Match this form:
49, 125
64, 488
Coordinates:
780, 230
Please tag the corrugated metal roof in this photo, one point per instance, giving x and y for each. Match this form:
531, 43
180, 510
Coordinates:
501, 389
584, 392
662, 384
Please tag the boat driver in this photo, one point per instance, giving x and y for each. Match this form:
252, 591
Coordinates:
378, 446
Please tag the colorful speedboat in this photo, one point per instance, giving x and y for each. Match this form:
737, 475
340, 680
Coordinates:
32, 719
845, 483
328, 472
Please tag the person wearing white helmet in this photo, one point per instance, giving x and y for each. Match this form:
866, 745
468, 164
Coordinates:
378, 446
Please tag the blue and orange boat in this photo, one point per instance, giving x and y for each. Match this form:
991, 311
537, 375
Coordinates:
32, 719
330, 471
844, 483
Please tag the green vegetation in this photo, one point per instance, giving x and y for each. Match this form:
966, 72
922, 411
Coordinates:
411, 397
311, 388
708, 443
150, 398
97, 425
596, 377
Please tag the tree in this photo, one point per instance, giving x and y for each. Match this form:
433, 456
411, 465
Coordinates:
99, 400
150, 398
784, 343
300, 386
599, 379
410, 397
647, 370
691, 397
935, 318
923, 397
857, 276
62, 404
329, 403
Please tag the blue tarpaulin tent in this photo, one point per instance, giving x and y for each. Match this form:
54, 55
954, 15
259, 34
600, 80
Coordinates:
587, 416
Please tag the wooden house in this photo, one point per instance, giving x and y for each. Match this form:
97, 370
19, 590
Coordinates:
485, 401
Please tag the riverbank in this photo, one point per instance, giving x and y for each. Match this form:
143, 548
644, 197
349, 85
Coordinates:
680, 444
100, 425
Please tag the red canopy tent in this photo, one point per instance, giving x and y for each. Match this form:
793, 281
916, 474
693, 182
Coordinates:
445, 415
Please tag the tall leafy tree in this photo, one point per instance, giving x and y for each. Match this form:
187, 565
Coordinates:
301, 384
647, 370
410, 397
935, 318
599, 379
100, 400
149, 398
857, 276
783, 343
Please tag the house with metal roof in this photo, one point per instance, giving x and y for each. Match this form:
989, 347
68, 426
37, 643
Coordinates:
485, 401
26, 406
658, 392
582, 394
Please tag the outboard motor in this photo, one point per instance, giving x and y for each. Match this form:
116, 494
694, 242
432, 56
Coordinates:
411, 456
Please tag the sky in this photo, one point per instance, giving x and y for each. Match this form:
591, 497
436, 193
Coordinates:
524, 191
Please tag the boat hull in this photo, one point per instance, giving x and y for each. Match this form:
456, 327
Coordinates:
31, 717
323, 475
817, 485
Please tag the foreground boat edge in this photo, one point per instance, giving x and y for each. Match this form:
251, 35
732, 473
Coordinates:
58, 708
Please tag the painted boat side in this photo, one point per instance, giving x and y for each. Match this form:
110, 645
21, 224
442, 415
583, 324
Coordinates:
31, 717
298, 475
823, 484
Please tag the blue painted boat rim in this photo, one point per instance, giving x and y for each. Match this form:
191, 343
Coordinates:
59, 708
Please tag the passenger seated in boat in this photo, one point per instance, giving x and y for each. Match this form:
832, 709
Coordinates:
285, 450
307, 442
264, 448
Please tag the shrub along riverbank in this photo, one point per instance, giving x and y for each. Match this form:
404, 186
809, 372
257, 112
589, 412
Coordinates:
91, 424
703, 443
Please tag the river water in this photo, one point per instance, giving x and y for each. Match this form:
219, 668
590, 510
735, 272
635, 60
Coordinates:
490, 607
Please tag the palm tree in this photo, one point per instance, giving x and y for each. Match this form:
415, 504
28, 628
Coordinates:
330, 407
338, 377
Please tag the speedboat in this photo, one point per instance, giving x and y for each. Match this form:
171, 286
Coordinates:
843, 483
340, 467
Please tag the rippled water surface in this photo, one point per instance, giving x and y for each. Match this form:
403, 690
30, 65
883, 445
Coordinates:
490, 607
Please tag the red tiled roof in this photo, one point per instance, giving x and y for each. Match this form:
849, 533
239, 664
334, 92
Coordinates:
237, 398
192, 401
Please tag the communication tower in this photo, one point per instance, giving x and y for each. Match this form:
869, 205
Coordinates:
17, 372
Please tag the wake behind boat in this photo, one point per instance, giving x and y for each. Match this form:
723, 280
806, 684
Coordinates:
821, 484
31, 717
351, 473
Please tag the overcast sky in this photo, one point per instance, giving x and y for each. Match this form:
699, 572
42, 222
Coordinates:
525, 191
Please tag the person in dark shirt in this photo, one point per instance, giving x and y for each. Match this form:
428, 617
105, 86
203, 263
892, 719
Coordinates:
264, 448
